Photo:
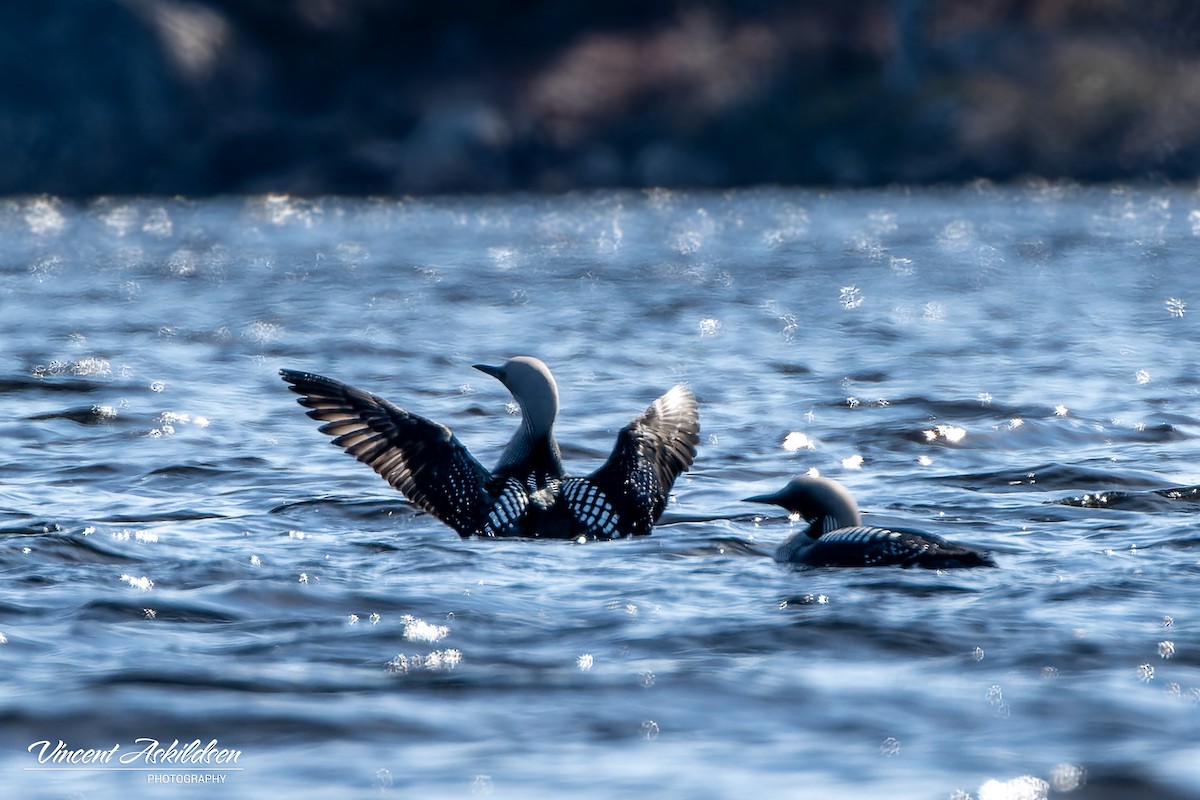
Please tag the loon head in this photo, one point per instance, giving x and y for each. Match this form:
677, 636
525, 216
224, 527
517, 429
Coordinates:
533, 388
815, 499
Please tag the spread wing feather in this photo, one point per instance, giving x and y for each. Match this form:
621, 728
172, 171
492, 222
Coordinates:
421, 458
650, 453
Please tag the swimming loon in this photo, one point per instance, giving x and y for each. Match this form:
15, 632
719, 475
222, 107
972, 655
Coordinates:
836, 537
528, 493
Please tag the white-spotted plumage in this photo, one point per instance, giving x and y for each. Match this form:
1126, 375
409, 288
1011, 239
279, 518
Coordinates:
836, 537
528, 492
591, 507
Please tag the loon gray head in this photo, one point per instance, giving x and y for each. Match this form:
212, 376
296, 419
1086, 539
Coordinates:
533, 387
815, 499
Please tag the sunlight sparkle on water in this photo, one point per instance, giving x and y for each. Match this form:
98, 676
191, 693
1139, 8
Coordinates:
436, 660
797, 441
850, 297
125, 535
957, 235
44, 218
143, 583
261, 331
120, 219
505, 258
950, 433
1067, 777
995, 698
852, 462
92, 366
1025, 787
1176, 307
281, 209
158, 223
584, 662
792, 224
418, 630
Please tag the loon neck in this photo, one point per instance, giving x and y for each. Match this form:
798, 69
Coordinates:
822, 525
529, 453
835, 512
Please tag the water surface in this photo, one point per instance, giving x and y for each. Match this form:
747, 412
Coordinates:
183, 555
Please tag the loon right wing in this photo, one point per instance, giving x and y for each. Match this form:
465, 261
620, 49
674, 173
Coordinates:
421, 458
629, 492
868, 546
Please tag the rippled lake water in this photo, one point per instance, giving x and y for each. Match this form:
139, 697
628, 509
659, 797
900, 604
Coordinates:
183, 556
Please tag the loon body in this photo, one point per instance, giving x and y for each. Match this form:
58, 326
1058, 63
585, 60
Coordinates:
528, 493
836, 537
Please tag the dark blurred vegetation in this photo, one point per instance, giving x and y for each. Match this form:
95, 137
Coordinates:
389, 96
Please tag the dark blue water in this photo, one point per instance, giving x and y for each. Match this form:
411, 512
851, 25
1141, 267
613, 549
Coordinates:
184, 556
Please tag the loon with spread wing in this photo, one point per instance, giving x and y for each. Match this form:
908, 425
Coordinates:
528, 493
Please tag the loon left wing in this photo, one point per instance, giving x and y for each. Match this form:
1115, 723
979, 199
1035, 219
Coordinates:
421, 458
628, 493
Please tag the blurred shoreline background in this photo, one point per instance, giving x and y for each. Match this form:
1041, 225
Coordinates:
391, 97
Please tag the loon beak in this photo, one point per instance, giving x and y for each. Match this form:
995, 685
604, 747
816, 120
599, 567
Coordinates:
495, 372
771, 499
